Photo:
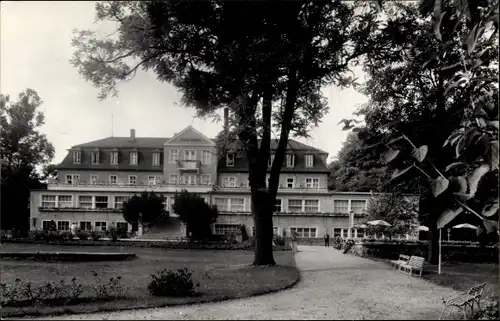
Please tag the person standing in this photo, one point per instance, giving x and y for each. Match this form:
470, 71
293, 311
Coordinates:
294, 242
327, 239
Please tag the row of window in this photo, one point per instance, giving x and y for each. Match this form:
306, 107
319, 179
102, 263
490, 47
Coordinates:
224, 229
84, 225
174, 156
86, 201
173, 179
309, 182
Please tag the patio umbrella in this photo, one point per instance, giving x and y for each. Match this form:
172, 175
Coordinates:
466, 225
378, 223
361, 225
423, 228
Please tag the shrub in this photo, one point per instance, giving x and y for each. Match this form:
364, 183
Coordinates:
95, 235
113, 233
174, 284
280, 241
65, 235
83, 235
488, 312
112, 288
347, 245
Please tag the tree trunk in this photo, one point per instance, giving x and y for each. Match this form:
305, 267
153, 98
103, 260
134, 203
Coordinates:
263, 220
433, 246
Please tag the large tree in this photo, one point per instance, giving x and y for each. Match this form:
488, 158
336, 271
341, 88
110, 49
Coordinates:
22, 148
196, 214
264, 60
145, 208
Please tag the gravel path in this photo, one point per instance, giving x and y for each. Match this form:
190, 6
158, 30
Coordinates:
333, 286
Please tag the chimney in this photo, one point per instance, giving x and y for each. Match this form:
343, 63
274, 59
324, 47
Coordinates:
132, 134
226, 119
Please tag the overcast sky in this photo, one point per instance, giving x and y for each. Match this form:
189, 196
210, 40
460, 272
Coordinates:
35, 50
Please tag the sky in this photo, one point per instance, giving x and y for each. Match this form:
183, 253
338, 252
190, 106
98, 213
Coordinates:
35, 49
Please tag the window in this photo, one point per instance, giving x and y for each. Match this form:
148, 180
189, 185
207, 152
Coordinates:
65, 201
312, 182
237, 204
222, 204
156, 158
112, 179
85, 201
278, 205
45, 225
311, 206
341, 206
63, 225
122, 226
271, 160
223, 229
165, 202
290, 160
360, 233
306, 206
205, 179
358, 206
173, 156
173, 178
295, 206
132, 179
48, 201
230, 160
206, 157
113, 158
93, 179
101, 202
133, 158
275, 230
309, 160
304, 231
151, 180
85, 226
100, 226
72, 179
337, 232
189, 179
189, 154
119, 200
94, 157
229, 181
290, 182
77, 157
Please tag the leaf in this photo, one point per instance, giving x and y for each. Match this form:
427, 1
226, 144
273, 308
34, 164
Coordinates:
471, 40
463, 196
493, 124
390, 155
457, 64
490, 209
420, 153
460, 184
454, 84
347, 127
447, 216
494, 155
452, 165
392, 141
462, 6
475, 177
398, 172
490, 226
479, 230
460, 146
427, 63
438, 17
439, 185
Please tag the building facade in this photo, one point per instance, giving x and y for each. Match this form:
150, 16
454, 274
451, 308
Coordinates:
95, 178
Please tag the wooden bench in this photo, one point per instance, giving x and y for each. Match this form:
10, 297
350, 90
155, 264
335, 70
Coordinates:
403, 259
416, 263
466, 299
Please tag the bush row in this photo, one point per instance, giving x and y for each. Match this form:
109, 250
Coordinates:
248, 245
165, 283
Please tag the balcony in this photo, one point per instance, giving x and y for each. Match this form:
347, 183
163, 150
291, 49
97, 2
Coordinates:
189, 166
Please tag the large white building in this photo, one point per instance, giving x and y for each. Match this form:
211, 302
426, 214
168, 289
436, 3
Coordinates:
95, 178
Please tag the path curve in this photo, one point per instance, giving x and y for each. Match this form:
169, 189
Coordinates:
333, 286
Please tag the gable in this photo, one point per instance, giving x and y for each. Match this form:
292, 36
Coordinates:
190, 136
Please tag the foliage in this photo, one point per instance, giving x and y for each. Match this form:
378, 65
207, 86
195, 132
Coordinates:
195, 213
265, 61
395, 209
112, 288
173, 283
347, 245
24, 292
96, 235
114, 234
280, 241
489, 311
83, 235
144, 208
22, 148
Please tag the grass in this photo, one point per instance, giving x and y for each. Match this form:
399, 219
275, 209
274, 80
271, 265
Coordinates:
221, 274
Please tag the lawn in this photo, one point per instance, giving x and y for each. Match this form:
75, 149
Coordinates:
221, 274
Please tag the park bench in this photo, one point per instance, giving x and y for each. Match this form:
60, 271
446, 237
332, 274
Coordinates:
416, 263
403, 259
464, 300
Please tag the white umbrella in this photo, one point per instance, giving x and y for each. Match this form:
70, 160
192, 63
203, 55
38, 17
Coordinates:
466, 225
378, 223
361, 226
423, 228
